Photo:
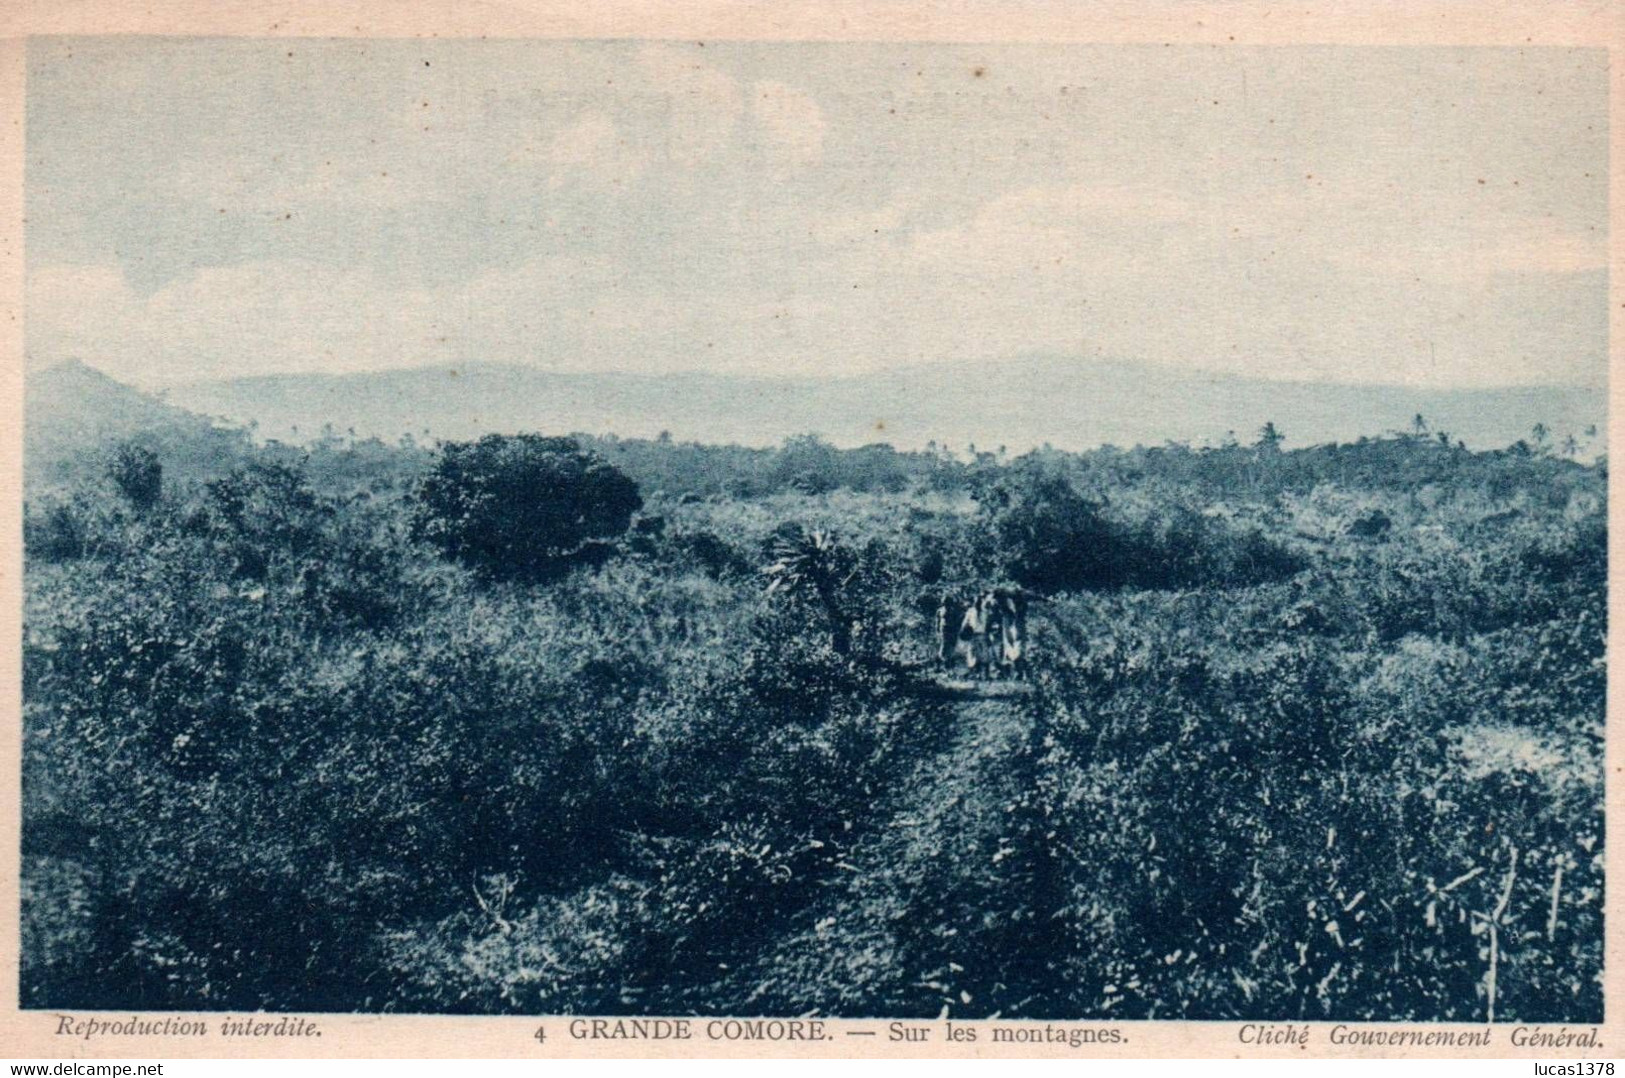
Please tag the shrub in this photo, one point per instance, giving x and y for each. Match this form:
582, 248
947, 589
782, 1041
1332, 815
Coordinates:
1054, 538
53, 535
522, 507
138, 474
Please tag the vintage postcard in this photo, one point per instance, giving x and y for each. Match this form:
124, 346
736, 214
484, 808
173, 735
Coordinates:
699, 530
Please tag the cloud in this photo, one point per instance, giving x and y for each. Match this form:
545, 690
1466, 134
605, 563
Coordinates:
1104, 270
594, 147
675, 108
664, 207
701, 105
1474, 255
222, 321
860, 225
782, 207
1050, 230
1532, 247
791, 122
1063, 270
77, 311
1465, 233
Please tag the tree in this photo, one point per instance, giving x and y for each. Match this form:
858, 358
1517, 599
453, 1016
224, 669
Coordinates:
1419, 426
138, 474
522, 507
1270, 439
1053, 538
1541, 434
807, 463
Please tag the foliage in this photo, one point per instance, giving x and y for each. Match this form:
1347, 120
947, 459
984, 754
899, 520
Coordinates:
138, 474
812, 562
1056, 539
52, 533
521, 507
1279, 760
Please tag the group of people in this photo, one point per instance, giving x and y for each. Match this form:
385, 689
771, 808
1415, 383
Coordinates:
984, 634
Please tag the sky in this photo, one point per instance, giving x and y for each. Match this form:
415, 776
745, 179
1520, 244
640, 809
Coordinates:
208, 208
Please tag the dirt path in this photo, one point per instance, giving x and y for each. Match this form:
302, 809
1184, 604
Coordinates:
942, 900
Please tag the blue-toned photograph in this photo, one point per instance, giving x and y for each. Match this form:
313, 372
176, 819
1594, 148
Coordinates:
738, 529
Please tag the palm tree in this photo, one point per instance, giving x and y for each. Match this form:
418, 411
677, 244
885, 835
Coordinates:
1419, 426
811, 562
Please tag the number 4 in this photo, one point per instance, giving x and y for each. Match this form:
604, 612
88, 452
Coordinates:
541, 1034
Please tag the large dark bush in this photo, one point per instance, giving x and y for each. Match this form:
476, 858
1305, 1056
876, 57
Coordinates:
138, 474
522, 507
1055, 539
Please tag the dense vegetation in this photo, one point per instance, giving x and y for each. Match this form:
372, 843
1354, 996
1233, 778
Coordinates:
523, 725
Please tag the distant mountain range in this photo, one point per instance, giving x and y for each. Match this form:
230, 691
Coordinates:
1019, 404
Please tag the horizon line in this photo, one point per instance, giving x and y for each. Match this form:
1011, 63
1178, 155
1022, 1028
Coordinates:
813, 379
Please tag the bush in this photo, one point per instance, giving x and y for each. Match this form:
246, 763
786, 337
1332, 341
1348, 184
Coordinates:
1055, 539
53, 535
522, 507
138, 474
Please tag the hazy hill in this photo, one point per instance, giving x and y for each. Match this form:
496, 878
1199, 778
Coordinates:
72, 411
1070, 404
